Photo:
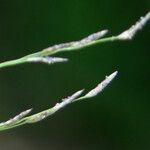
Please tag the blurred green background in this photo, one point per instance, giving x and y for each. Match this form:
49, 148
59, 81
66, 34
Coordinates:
119, 118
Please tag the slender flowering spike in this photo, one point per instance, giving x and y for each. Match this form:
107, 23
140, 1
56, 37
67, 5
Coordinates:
130, 33
76, 44
94, 36
22, 114
67, 100
44, 114
100, 87
16, 118
48, 60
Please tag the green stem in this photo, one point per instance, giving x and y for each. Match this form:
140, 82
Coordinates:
47, 52
12, 62
79, 47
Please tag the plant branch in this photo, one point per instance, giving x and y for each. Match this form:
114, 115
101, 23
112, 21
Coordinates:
21, 119
93, 39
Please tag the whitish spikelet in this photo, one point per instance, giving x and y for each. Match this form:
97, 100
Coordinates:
47, 60
130, 33
100, 87
16, 118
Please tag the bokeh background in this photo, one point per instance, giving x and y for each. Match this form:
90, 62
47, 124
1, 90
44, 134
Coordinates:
117, 119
